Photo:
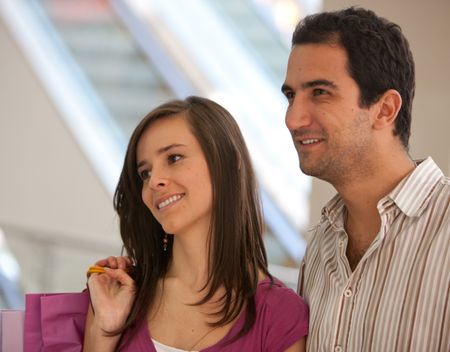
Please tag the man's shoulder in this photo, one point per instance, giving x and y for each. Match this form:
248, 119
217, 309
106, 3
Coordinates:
330, 221
444, 188
440, 204
319, 231
321, 236
439, 198
445, 182
429, 176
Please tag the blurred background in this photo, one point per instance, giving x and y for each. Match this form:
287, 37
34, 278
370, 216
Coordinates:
77, 76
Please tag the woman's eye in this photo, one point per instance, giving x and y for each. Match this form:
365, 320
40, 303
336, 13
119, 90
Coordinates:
174, 158
144, 175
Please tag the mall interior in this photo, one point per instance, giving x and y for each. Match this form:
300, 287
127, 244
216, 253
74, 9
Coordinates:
78, 75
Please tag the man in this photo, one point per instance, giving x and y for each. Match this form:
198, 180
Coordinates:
376, 274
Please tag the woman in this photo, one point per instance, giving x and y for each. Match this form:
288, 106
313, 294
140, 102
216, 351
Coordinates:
190, 221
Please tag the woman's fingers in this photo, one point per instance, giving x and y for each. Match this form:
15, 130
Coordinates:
120, 262
102, 262
112, 262
123, 263
114, 285
121, 276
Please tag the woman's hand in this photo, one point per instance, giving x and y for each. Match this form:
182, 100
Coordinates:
112, 293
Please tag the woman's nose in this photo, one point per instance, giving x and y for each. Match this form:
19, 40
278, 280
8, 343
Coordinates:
157, 180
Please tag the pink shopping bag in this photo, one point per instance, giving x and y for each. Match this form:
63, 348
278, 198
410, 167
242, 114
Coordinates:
11, 330
55, 322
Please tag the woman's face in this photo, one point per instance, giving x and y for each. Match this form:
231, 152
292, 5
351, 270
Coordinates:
176, 187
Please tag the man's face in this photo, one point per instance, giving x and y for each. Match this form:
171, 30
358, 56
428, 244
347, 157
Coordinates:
331, 132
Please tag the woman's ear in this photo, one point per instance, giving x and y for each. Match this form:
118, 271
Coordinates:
388, 107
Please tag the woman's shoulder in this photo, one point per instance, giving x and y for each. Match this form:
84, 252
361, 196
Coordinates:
281, 315
272, 292
280, 306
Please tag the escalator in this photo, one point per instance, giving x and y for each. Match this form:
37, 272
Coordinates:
123, 64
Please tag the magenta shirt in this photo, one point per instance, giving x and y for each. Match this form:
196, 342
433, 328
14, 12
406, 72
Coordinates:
281, 320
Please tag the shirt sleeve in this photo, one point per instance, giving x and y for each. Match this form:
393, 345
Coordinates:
288, 319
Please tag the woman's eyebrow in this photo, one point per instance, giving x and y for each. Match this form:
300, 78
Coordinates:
170, 146
162, 150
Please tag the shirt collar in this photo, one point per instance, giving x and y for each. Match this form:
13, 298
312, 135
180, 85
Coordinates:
414, 192
333, 211
411, 195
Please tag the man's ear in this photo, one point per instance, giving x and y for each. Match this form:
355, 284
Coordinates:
387, 109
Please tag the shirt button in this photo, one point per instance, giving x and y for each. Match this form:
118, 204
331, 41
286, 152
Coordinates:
348, 293
338, 349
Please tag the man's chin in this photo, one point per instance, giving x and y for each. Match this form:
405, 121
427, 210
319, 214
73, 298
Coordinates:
308, 169
312, 170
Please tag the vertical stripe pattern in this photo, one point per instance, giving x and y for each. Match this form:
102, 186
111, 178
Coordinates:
398, 297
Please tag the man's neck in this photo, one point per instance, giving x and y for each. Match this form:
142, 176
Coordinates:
361, 198
363, 193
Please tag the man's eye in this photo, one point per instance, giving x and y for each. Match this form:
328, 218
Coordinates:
289, 95
144, 175
173, 158
319, 91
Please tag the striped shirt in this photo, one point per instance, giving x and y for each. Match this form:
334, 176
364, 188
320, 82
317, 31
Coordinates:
397, 298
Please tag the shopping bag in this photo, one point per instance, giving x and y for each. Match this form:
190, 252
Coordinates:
11, 330
55, 322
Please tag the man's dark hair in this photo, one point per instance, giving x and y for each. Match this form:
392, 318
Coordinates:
379, 57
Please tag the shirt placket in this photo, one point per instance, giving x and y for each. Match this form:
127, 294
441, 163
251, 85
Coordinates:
345, 298
346, 303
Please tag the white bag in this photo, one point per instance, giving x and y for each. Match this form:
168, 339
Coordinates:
11, 330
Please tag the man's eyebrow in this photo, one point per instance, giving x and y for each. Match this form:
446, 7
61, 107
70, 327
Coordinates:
310, 84
319, 82
162, 150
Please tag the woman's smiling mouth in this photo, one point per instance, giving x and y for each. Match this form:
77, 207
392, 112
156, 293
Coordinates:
168, 201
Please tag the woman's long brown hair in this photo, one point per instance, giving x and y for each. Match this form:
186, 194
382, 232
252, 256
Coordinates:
236, 249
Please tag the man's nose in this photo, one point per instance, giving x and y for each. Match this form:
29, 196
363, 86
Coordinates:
298, 114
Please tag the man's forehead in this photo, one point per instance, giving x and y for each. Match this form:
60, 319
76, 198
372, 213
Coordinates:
314, 62
321, 53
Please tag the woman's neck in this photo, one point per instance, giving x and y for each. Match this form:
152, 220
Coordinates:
190, 260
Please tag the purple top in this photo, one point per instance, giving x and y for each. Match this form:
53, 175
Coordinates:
55, 322
281, 320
